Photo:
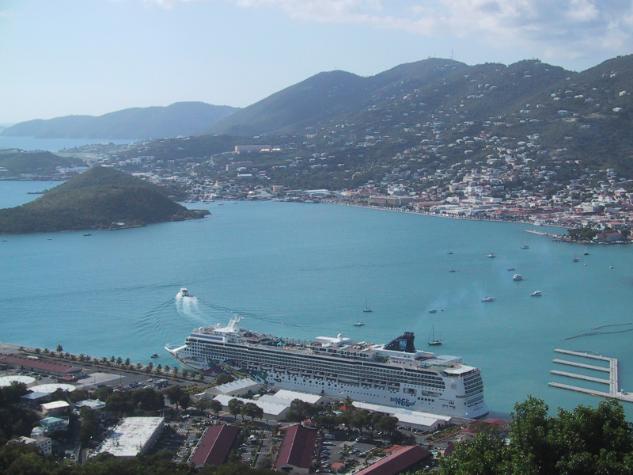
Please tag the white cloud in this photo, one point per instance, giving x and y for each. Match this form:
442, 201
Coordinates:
557, 29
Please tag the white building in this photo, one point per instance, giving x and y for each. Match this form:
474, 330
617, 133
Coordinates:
43, 444
415, 419
55, 407
133, 436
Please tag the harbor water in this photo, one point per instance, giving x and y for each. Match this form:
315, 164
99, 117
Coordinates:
303, 270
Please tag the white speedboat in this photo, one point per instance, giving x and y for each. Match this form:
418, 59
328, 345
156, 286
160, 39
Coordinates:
488, 299
517, 277
184, 292
359, 324
536, 293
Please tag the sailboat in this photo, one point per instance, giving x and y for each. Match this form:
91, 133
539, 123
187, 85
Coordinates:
366, 308
434, 341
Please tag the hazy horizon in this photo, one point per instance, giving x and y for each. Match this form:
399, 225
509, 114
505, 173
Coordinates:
91, 58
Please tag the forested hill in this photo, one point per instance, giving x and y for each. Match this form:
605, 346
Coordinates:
100, 198
181, 118
16, 163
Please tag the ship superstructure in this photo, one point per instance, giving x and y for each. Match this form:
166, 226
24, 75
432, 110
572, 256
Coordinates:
395, 374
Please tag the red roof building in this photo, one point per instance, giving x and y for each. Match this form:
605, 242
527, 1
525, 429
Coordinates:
43, 366
401, 458
214, 445
297, 450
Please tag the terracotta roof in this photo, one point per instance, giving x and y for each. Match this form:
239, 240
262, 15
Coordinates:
39, 365
215, 445
401, 458
297, 447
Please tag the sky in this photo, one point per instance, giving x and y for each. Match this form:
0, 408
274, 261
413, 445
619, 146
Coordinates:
61, 57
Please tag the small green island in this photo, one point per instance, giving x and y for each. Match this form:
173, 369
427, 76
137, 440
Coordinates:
100, 198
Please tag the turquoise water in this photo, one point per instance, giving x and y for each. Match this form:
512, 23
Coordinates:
306, 270
52, 145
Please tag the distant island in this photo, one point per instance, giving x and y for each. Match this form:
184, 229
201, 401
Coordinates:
23, 164
178, 119
100, 198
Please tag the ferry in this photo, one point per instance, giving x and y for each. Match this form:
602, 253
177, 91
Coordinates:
395, 374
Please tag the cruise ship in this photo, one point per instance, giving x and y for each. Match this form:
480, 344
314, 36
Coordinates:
395, 374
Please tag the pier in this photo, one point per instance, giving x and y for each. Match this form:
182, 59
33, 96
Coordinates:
613, 382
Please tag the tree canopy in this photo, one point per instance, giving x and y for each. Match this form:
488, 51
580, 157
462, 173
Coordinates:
582, 441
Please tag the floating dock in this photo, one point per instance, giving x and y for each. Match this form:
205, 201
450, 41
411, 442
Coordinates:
613, 382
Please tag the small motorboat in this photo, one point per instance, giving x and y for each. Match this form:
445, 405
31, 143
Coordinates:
511, 269
359, 324
576, 259
433, 310
488, 299
491, 255
87, 234
154, 356
452, 271
536, 293
517, 277
184, 292
525, 247
585, 254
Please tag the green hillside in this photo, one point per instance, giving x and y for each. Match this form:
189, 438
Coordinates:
16, 163
181, 118
101, 198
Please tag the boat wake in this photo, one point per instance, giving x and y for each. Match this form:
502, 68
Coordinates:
596, 331
187, 306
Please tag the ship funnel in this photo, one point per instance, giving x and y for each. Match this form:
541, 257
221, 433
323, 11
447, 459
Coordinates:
404, 342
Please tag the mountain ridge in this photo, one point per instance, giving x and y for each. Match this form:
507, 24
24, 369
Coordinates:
179, 118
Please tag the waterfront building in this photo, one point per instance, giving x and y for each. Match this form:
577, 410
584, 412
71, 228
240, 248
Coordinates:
41, 366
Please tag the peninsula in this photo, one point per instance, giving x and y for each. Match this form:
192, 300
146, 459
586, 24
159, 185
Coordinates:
100, 198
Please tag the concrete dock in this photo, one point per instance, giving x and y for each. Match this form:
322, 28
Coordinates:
581, 365
580, 376
613, 382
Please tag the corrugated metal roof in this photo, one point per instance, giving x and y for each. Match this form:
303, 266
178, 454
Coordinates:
297, 447
40, 365
400, 458
215, 445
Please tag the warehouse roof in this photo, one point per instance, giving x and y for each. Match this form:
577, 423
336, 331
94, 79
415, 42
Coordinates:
130, 437
214, 446
297, 448
401, 458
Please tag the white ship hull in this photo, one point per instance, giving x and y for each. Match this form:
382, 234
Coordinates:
455, 390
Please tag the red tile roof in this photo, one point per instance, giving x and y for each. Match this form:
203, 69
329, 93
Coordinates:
214, 445
297, 447
401, 458
39, 365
